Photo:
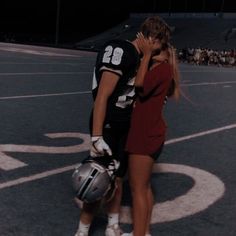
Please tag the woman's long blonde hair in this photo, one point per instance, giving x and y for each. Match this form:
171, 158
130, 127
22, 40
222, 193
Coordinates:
168, 54
175, 91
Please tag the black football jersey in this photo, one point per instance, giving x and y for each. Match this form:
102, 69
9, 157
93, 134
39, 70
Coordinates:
122, 58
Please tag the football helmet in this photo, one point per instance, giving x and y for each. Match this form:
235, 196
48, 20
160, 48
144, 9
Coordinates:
94, 178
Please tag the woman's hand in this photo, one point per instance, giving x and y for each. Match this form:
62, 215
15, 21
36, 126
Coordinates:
147, 45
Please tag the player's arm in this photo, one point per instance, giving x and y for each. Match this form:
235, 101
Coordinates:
107, 85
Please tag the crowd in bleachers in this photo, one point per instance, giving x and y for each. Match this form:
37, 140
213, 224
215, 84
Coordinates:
206, 56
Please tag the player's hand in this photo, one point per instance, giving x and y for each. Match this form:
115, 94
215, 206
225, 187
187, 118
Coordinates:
99, 147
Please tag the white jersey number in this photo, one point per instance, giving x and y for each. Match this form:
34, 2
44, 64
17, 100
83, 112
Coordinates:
113, 55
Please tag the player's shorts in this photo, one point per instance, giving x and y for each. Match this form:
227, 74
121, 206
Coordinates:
115, 135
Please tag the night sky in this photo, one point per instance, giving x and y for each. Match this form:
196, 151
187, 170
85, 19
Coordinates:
36, 19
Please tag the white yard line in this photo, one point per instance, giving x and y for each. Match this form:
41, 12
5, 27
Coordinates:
44, 95
88, 92
36, 176
208, 83
71, 167
45, 73
42, 63
208, 71
211, 131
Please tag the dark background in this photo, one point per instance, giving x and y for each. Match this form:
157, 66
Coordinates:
35, 21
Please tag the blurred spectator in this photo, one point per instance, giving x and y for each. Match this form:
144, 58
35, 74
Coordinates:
206, 56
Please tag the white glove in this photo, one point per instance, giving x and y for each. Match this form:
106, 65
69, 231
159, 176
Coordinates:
99, 147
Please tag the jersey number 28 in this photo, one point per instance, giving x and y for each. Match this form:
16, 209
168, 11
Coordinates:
113, 55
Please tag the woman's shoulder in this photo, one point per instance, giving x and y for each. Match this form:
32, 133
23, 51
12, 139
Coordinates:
159, 64
164, 67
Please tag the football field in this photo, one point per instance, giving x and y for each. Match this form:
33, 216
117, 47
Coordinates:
45, 103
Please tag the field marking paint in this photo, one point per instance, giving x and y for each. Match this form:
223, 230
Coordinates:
208, 83
23, 180
9, 163
203, 133
43, 63
206, 185
45, 73
207, 189
44, 95
36, 52
76, 148
208, 71
88, 92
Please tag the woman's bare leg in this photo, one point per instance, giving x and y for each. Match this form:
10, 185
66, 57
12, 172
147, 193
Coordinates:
140, 169
150, 206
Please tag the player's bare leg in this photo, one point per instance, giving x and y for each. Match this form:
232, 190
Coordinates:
113, 211
86, 217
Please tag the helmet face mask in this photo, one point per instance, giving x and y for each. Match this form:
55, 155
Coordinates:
92, 180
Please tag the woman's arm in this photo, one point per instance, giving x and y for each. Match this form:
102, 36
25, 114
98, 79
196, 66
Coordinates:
143, 68
146, 46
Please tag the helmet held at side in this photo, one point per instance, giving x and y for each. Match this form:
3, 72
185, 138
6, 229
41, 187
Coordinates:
94, 178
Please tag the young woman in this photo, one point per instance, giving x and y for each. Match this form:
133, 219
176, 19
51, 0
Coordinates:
157, 78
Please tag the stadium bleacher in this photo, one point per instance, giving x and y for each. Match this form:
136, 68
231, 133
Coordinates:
205, 30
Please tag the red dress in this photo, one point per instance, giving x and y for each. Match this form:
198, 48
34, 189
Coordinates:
148, 128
